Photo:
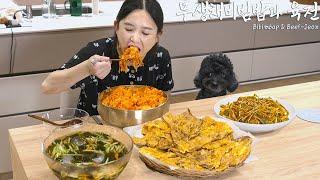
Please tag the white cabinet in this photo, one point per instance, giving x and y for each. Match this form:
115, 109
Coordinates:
194, 38
184, 71
284, 61
21, 94
5, 54
271, 38
242, 64
49, 50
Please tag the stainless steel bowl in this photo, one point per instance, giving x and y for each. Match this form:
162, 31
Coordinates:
123, 118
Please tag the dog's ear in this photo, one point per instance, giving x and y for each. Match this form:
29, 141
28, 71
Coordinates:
233, 83
197, 81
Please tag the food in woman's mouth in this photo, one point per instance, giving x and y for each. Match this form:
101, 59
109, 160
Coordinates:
130, 57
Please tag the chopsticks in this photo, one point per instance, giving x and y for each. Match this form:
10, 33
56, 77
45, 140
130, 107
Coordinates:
111, 59
94, 61
114, 59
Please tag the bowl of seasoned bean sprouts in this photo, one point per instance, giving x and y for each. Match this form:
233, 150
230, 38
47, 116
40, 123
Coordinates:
255, 114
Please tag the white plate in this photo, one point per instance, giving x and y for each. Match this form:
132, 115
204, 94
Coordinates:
257, 128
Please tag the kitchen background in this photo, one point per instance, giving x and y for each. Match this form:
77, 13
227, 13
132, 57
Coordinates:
261, 58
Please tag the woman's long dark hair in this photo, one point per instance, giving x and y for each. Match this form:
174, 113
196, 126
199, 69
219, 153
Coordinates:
151, 6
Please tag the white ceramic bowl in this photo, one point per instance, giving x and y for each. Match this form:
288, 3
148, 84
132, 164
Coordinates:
256, 128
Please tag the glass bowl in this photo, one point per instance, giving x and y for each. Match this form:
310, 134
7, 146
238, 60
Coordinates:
64, 114
109, 170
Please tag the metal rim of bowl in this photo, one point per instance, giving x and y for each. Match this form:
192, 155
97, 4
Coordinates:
43, 149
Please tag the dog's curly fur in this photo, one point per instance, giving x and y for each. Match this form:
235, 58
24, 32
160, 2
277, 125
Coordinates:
215, 76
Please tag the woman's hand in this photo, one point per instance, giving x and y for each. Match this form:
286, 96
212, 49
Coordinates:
100, 66
61, 80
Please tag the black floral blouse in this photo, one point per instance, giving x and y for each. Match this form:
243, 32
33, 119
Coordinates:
156, 72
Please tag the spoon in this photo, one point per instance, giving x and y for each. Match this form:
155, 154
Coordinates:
66, 124
114, 59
